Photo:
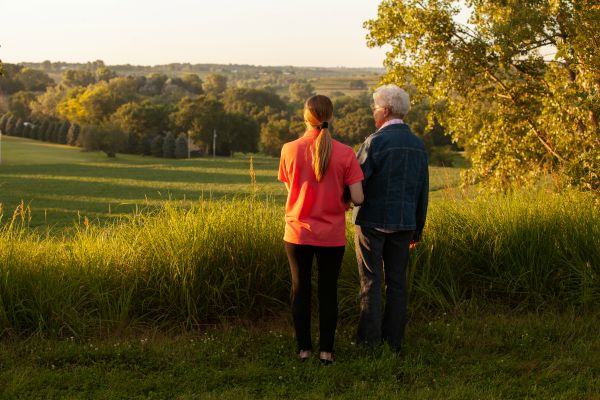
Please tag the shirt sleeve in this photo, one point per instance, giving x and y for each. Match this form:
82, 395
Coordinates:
283, 173
353, 173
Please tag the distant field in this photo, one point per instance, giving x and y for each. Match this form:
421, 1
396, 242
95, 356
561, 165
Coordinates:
329, 85
62, 184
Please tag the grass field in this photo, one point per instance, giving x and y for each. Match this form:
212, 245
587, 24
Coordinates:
471, 354
191, 302
62, 184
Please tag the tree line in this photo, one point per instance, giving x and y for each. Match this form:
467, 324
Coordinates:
100, 110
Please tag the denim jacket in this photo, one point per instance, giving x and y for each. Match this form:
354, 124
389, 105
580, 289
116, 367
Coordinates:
396, 184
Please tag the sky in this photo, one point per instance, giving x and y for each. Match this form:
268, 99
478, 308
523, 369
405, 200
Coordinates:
320, 33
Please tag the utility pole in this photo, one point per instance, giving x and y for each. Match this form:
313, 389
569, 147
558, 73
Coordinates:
214, 142
188, 146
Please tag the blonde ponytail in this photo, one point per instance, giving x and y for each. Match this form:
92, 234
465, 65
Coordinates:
321, 153
318, 111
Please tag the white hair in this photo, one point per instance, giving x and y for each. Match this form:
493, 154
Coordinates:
394, 98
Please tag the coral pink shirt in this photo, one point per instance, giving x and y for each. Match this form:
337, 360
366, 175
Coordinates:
315, 211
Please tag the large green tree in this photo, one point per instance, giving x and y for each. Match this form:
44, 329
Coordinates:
200, 117
214, 84
145, 119
20, 104
96, 103
34, 80
257, 103
353, 120
73, 78
520, 80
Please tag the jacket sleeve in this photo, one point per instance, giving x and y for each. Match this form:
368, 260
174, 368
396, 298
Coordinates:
422, 202
364, 160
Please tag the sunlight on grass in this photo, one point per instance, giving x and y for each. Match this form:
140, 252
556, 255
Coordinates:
60, 181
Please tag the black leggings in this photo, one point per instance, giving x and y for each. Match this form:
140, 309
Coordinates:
329, 262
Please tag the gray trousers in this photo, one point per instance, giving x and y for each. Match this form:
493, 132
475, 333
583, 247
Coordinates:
378, 254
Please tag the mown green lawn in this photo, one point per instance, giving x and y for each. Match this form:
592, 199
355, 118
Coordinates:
62, 184
483, 354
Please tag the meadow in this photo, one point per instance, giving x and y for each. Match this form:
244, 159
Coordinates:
187, 298
62, 184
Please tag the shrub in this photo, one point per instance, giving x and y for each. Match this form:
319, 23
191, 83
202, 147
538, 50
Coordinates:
73, 135
19, 127
169, 146
63, 132
156, 148
10, 125
106, 137
3, 121
181, 146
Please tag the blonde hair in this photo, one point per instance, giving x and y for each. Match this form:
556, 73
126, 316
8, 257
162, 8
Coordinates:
318, 110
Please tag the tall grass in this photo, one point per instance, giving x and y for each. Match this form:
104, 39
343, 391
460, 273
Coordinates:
522, 249
181, 267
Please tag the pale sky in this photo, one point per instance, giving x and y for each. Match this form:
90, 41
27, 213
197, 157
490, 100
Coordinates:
326, 33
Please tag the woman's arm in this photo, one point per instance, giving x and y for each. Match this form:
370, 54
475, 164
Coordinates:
356, 193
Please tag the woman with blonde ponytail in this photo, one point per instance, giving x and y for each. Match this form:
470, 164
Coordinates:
315, 169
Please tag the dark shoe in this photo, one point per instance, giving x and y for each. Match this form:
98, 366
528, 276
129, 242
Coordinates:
325, 361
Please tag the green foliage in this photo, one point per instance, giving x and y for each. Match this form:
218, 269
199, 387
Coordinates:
274, 134
153, 84
20, 104
35, 131
73, 78
169, 146
301, 91
239, 133
104, 74
200, 117
144, 119
106, 137
214, 84
259, 104
520, 81
358, 84
181, 146
3, 121
34, 80
44, 105
96, 103
73, 135
63, 132
353, 120
10, 124
9, 82
18, 128
42, 130
156, 148
53, 132
192, 83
